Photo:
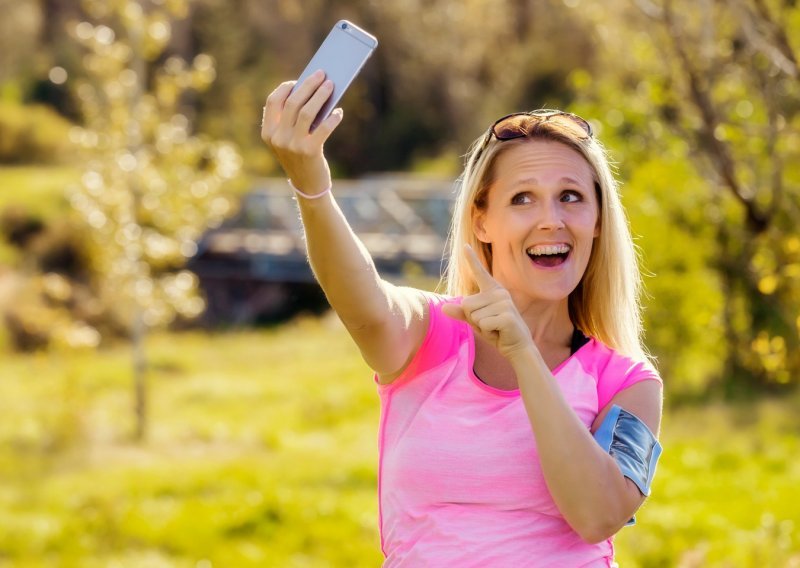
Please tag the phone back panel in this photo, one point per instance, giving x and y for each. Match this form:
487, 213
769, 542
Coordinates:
341, 56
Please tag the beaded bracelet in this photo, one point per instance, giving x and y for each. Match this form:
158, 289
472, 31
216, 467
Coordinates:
306, 195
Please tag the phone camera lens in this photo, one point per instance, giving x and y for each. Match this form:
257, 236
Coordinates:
344, 26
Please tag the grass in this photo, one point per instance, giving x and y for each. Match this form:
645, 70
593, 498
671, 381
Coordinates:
726, 492
262, 452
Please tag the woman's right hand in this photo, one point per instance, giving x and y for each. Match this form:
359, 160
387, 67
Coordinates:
285, 128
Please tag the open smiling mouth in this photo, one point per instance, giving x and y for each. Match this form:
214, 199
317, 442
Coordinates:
549, 255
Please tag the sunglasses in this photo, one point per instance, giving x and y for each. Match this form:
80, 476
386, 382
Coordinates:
520, 124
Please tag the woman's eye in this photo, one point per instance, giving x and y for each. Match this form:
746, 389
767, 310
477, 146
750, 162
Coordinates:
571, 196
521, 199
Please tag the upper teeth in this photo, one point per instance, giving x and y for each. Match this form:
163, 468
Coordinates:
548, 249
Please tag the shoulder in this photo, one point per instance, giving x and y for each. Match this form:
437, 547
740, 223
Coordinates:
632, 383
603, 360
419, 303
437, 323
428, 305
438, 339
615, 371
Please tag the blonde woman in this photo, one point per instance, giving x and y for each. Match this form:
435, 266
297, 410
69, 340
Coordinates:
518, 410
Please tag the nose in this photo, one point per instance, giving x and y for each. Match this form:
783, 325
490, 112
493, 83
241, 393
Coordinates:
550, 218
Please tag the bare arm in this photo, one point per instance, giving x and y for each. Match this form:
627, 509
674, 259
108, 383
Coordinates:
387, 322
585, 481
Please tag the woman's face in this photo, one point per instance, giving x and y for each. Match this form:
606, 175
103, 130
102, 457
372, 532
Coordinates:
541, 218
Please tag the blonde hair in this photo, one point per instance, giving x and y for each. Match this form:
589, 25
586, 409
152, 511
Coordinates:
605, 304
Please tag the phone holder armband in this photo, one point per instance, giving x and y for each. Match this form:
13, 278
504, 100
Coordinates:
632, 445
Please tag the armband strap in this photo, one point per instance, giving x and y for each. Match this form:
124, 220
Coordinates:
632, 445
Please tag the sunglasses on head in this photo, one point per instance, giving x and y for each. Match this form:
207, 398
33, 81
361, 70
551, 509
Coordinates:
520, 124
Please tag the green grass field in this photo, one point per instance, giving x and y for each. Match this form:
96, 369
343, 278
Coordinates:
262, 452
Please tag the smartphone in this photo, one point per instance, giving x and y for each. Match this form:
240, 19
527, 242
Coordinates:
341, 56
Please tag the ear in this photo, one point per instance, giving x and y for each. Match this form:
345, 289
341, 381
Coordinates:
597, 227
478, 225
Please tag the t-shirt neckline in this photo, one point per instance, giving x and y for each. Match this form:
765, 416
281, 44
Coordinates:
580, 344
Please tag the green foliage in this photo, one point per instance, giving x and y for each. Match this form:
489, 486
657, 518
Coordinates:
259, 458
51, 310
38, 190
47, 295
32, 134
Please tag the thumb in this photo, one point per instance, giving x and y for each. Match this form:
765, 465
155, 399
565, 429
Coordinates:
454, 311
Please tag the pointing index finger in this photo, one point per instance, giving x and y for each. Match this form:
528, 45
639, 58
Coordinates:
485, 280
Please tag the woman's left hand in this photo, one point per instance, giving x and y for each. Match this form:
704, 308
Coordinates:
491, 312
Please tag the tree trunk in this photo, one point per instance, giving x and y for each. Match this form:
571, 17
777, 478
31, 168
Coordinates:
134, 253
138, 333
735, 373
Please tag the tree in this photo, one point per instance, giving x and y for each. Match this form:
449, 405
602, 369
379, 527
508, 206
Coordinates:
150, 184
720, 81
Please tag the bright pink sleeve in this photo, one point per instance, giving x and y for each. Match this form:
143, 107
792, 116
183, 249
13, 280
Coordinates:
620, 373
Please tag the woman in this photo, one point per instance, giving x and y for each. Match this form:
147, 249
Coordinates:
517, 411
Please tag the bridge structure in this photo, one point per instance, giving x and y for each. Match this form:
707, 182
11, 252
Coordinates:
254, 268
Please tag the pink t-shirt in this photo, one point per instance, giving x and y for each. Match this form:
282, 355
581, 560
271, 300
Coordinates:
459, 479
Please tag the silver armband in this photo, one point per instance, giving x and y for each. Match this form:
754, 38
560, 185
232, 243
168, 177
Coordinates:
632, 445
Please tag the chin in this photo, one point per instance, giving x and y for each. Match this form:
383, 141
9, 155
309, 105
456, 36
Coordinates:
548, 294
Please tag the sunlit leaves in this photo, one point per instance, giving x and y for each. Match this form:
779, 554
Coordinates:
772, 355
694, 87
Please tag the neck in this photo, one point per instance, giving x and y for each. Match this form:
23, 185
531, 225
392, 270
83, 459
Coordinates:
549, 322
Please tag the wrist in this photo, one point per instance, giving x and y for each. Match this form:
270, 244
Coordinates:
304, 195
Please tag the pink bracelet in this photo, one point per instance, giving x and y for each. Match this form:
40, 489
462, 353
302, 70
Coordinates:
306, 195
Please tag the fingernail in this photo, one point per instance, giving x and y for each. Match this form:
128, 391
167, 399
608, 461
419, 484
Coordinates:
328, 84
318, 73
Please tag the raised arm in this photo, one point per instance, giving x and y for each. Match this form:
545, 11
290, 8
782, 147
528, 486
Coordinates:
387, 322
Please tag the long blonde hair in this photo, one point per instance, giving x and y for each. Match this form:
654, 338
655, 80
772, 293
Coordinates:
605, 304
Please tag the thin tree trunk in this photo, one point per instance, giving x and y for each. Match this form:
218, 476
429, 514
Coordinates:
139, 328
138, 333
733, 369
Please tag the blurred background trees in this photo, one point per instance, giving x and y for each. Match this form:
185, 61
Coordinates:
697, 102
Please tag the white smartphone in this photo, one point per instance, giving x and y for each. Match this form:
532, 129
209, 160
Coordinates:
341, 56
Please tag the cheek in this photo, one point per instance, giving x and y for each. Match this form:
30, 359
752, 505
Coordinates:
509, 224
585, 223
